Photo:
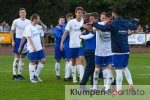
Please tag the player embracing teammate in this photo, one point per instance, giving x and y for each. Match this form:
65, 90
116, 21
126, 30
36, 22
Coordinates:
119, 43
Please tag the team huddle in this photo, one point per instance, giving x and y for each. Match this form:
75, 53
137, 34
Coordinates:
103, 42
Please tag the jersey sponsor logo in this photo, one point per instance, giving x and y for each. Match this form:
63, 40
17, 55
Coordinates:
122, 32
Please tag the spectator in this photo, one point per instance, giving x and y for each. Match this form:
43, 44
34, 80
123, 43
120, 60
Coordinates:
1, 28
139, 29
51, 34
146, 29
5, 27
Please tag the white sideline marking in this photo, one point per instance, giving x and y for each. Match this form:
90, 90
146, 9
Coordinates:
147, 66
139, 67
28, 70
143, 74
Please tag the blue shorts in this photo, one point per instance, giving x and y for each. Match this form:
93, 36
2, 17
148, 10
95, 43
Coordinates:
17, 44
35, 56
59, 54
120, 60
103, 61
76, 52
68, 53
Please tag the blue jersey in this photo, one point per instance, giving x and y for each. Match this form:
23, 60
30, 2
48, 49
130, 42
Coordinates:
66, 42
119, 33
58, 34
89, 44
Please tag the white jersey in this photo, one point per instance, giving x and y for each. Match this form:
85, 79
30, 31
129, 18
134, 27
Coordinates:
103, 43
19, 25
35, 32
73, 26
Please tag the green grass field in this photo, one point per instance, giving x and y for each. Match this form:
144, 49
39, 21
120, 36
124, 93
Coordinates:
52, 89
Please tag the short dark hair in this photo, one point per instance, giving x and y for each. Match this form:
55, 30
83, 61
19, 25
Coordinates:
69, 15
21, 9
34, 16
79, 8
117, 10
95, 14
108, 14
61, 17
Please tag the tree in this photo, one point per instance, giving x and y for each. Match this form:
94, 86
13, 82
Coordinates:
50, 10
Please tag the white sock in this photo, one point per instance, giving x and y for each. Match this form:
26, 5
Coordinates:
69, 68
78, 69
119, 78
57, 68
31, 70
81, 70
66, 69
110, 79
105, 73
73, 72
95, 77
21, 65
128, 75
39, 68
15, 65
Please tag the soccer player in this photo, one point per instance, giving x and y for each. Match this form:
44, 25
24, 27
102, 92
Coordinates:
119, 38
41, 27
103, 53
69, 16
73, 27
58, 32
102, 19
17, 28
102, 16
33, 33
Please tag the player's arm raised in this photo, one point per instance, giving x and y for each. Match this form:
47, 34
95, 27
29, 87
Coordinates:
133, 25
43, 25
106, 27
42, 39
